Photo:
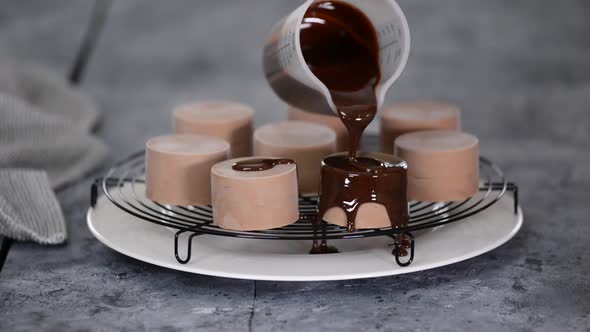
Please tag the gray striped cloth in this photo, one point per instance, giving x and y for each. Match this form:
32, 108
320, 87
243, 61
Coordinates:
45, 144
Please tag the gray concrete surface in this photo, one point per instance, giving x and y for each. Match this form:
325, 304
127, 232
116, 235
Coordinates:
519, 69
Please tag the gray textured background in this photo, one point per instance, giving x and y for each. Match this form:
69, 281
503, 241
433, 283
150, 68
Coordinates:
519, 69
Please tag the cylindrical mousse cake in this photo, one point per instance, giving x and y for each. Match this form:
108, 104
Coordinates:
306, 143
254, 199
223, 119
443, 165
334, 122
178, 168
379, 192
403, 118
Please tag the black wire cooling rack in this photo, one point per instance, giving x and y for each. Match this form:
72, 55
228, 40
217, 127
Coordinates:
124, 186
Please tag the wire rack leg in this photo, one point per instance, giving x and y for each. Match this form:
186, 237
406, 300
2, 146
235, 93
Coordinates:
400, 247
189, 247
94, 192
514, 188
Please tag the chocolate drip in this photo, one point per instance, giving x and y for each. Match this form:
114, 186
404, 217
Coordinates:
259, 164
341, 48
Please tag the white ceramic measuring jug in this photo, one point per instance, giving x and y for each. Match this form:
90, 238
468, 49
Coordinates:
292, 80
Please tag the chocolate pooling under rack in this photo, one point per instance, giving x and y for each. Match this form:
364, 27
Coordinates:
123, 185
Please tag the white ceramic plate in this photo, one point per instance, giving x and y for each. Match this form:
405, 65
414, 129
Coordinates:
289, 261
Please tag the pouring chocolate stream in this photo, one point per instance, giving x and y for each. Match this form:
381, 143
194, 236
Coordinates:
341, 48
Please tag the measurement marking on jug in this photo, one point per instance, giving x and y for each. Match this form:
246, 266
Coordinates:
389, 44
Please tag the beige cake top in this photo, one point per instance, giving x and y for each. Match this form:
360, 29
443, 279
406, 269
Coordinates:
187, 144
433, 141
295, 134
421, 111
213, 111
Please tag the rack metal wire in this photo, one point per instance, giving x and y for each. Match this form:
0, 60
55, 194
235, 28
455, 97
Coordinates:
124, 186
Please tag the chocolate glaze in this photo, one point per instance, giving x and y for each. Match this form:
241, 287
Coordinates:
341, 48
259, 164
370, 178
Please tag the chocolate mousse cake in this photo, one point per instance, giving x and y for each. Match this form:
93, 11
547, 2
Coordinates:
178, 168
403, 118
254, 193
306, 143
443, 165
227, 120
